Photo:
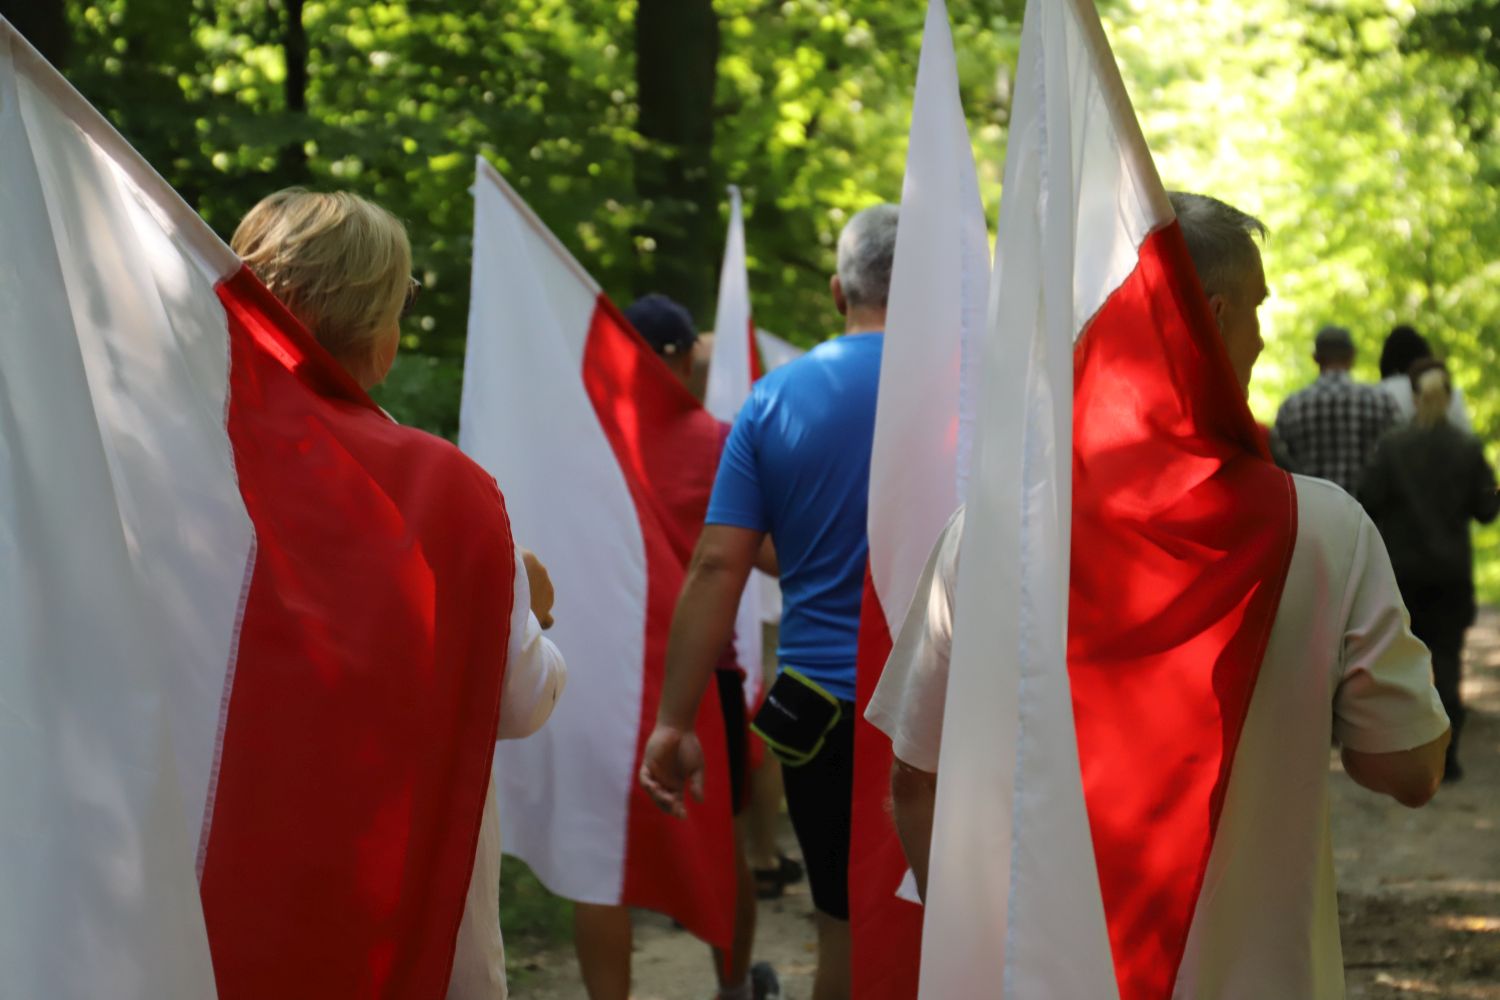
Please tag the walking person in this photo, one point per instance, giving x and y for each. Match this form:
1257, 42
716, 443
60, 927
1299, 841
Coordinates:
1329, 429
1426, 482
1404, 347
796, 467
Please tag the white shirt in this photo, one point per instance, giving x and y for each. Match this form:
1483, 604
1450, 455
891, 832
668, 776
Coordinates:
534, 678
1341, 664
1399, 387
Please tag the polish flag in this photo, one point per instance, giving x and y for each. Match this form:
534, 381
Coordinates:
732, 368
1092, 717
611, 462
252, 632
777, 350
939, 287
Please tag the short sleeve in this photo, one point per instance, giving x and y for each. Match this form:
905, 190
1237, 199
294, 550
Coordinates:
736, 499
535, 673
1385, 700
908, 702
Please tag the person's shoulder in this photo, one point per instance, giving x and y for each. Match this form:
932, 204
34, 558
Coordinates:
1323, 506
1296, 401
1376, 391
443, 466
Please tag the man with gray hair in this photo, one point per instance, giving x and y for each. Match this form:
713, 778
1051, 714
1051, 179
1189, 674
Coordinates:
1340, 666
796, 466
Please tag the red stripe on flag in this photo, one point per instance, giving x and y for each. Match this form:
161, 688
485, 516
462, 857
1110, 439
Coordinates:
756, 368
668, 447
885, 930
1182, 535
361, 721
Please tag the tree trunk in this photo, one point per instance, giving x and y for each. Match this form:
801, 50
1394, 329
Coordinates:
294, 47
676, 67
43, 23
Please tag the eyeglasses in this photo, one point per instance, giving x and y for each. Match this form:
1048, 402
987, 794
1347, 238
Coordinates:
412, 290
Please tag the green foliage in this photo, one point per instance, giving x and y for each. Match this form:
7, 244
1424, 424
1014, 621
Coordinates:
1363, 131
531, 918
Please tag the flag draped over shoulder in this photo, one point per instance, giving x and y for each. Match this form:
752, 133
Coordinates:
733, 368
611, 463
250, 626
1092, 719
939, 288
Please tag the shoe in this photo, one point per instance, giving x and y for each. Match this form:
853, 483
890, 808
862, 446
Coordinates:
770, 883
764, 983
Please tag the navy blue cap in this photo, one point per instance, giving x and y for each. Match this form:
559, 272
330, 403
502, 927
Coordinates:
667, 326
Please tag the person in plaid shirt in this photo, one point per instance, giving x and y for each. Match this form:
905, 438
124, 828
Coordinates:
1329, 429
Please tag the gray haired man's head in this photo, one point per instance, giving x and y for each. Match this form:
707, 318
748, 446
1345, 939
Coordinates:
867, 248
1221, 240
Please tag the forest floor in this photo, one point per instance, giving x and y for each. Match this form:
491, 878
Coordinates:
1419, 891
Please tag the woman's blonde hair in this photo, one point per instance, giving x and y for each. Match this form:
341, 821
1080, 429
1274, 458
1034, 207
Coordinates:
1431, 391
341, 264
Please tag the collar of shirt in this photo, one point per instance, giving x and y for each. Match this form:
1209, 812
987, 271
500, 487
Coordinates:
1339, 376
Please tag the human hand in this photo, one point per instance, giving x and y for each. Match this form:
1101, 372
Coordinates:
673, 761
540, 582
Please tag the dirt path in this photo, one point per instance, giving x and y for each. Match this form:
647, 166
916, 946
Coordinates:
1419, 890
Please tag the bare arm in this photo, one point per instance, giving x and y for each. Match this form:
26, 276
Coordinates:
765, 559
913, 795
1410, 777
701, 627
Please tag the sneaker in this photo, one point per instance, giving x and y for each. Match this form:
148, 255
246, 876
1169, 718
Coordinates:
764, 983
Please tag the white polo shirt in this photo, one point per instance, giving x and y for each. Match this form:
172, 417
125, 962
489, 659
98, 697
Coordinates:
1341, 665
534, 679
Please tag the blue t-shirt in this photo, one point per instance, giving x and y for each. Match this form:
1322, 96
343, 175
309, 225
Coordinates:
797, 464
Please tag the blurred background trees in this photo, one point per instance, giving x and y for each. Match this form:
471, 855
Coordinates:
1363, 131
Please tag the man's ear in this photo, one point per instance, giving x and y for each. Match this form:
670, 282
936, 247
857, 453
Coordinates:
839, 302
1217, 304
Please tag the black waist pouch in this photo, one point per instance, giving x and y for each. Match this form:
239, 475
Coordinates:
795, 718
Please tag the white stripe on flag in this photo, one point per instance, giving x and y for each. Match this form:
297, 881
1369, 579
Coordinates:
1014, 892
939, 290
728, 388
775, 351
527, 418
123, 551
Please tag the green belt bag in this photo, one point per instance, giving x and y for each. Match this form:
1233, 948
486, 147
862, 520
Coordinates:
795, 718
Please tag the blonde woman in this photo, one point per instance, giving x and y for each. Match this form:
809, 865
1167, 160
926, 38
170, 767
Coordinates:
383, 881
1426, 481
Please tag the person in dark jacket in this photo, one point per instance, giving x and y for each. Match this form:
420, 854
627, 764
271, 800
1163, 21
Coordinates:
1426, 481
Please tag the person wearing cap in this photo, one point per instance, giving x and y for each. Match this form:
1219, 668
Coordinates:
603, 934
1329, 429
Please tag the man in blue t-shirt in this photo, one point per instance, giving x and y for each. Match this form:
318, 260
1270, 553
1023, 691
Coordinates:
797, 467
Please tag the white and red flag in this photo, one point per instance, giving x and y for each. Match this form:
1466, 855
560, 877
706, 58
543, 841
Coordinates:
939, 289
733, 368
252, 632
612, 461
1093, 714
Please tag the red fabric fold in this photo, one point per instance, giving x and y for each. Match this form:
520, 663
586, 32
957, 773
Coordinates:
360, 723
885, 930
668, 448
1182, 535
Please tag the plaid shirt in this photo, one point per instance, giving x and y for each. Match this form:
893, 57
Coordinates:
1330, 428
